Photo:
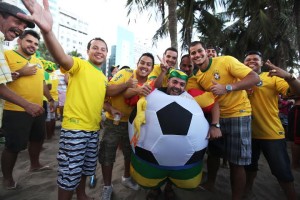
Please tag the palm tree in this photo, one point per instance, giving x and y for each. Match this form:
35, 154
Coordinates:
168, 25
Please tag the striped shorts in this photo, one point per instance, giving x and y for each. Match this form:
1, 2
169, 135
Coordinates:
237, 137
77, 156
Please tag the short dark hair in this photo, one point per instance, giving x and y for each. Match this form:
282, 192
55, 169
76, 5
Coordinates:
148, 55
125, 67
253, 52
195, 43
171, 49
184, 56
30, 32
97, 38
210, 46
113, 67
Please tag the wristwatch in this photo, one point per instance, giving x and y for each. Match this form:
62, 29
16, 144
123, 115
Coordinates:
290, 78
217, 125
228, 88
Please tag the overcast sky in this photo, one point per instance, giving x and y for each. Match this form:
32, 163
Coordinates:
104, 16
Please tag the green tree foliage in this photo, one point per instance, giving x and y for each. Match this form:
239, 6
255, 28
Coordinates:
43, 52
235, 26
75, 53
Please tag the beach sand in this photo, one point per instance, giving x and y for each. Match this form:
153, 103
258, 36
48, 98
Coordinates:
42, 185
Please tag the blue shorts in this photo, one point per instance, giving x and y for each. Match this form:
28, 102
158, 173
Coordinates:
275, 152
77, 156
237, 139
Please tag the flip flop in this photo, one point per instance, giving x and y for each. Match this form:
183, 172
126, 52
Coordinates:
43, 168
14, 187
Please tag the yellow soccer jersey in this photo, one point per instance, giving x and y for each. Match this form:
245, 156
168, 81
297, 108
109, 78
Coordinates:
31, 87
54, 83
85, 97
118, 101
264, 100
227, 70
155, 73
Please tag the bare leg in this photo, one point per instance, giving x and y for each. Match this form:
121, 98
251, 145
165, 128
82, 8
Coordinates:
289, 190
213, 164
80, 190
295, 156
250, 176
8, 161
238, 181
107, 174
34, 150
64, 194
126, 168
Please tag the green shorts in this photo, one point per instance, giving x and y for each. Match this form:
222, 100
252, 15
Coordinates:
114, 136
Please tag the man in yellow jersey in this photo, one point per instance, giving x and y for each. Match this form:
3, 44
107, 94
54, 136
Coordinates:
206, 101
78, 145
29, 85
227, 79
268, 134
160, 73
116, 134
11, 27
211, 51
51, 116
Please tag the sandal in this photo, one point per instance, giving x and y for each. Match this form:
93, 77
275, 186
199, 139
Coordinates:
153, 194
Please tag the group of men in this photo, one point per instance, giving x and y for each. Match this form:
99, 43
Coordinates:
89, 92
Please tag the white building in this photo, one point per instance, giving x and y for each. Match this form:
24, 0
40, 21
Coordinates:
70, 30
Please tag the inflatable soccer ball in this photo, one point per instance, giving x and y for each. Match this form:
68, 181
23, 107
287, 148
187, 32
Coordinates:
175, 131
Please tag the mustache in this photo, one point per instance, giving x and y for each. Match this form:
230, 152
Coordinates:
16, 30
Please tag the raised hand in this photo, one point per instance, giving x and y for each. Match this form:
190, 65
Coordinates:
41, 16
132, 82
163, 65
145, 89
218, 89
276, 71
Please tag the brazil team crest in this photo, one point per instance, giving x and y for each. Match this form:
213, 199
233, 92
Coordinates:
216, 75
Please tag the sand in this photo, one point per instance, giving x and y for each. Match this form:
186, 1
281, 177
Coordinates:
42, 185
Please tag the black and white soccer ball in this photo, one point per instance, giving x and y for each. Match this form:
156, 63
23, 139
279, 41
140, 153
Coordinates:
175, 131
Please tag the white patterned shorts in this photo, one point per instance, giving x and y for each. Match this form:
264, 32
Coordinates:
77, 156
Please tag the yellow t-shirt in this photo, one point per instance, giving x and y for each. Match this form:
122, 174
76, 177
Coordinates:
227, 70
205, 99
264, 100
31, 87
54, 82
118, 101
85, 97
155, 73
47, 81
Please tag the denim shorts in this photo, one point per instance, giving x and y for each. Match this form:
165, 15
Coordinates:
275, 152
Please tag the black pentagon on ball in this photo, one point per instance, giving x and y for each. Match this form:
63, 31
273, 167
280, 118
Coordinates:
174, 119
196, 157
132, 115
145, 154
